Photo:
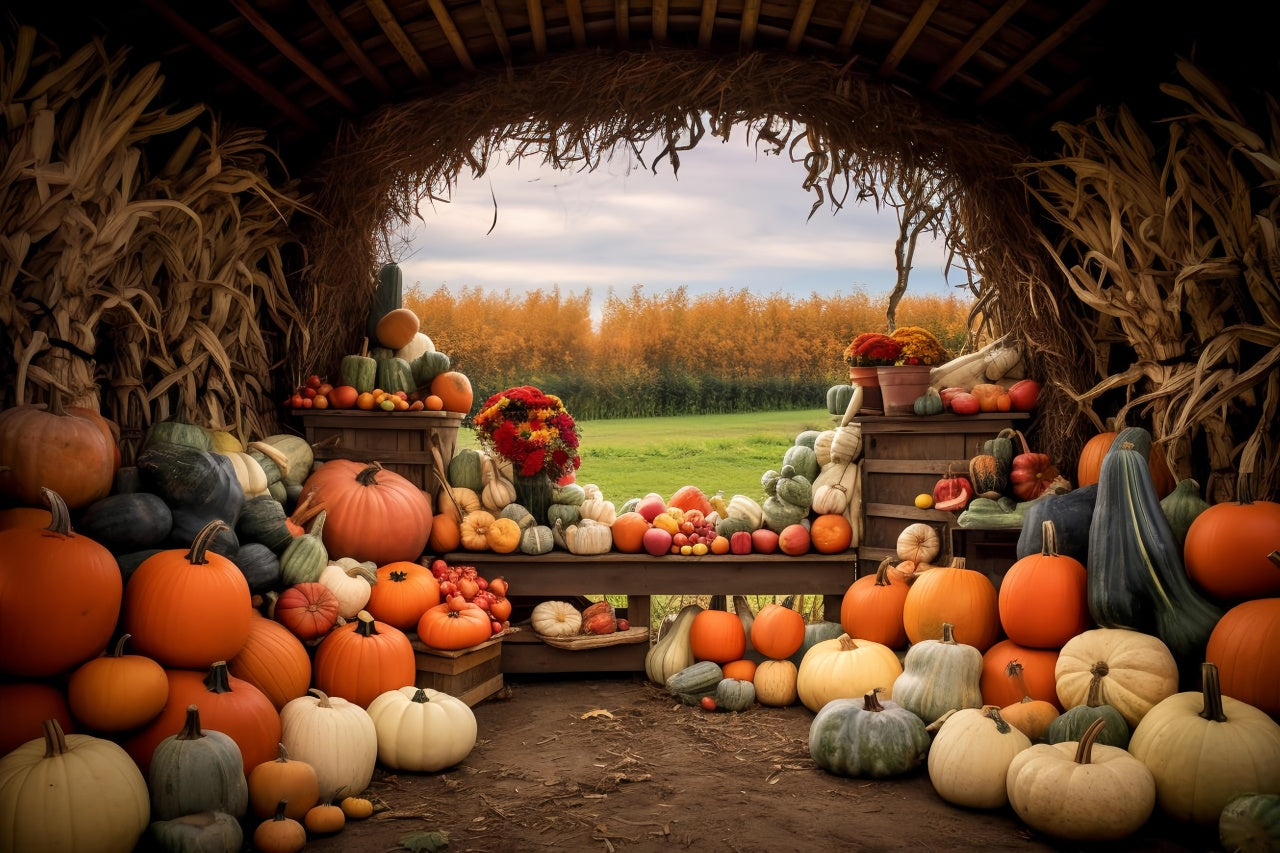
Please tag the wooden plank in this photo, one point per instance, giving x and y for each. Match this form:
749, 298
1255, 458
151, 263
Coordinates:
576, 23
908, 37
971, 46
537, 26
333, 23
750, 21
660, 12
493, 17
399, 38
293, 54
852, 23
799, 24
451, 34
706, 23
1057, 37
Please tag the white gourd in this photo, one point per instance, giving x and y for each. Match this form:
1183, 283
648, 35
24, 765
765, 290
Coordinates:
846, 444
588, 537
351, 582
919, 543
422, 730
833, 488
747, 509
822, 447
334, 736
598, 510
556, 619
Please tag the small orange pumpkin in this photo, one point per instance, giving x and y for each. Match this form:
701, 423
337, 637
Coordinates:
404, 592
362, 659
444, 627
717, 635
777, 632
397, 327
475, 528
454, 390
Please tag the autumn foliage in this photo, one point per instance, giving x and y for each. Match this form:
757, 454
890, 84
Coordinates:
666, 353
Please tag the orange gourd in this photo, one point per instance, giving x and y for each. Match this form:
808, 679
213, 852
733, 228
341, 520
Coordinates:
397, 327
117, 692
717, 635
1038, 674
362, 659
777, 632
60, 596
63, 448
1227, 547
1043, 597
446, 534
1243, 645
830, 533
452, 628
273, 660
691, 497
964, 598
283, 778
1028, 715
454, 390
371, 514
628, 532
503, 536
743, 670
404, 592
308, 609
872, 607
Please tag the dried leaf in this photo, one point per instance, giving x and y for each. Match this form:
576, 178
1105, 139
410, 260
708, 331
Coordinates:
425, 841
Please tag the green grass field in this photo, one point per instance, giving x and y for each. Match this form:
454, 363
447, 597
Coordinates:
630, 457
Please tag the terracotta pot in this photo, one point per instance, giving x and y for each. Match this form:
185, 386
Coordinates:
869, 379
900, 385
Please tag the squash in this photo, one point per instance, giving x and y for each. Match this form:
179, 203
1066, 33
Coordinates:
776, 631
336, 737
428, 365
1243, 645
970, 757
1140, 671
1204, 749
260, 567
388, 295
814, 633
538, 539
865, 737
734, 694
955, 594
588, 537
1072, 516
695, 681
199, 486
793, 486
1082, 791
802, 460
116, 692
1181, 507
1136, 577
196, 770
127, 522
263, 520
672, 652
834, 487
351, 582
716, 634
919, 543
1043, 600
1029, 715
306, 556
838, 397
1250, 823
466, 470
555, 619
845, 668
872, 606
68, 449
1031, 474
419, 345
775, 683
202, 832
279, 834
422, 730
938, 676
928, 403
1072, 723
396, 328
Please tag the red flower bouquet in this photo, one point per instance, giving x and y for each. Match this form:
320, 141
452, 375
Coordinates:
871, 349
532, 430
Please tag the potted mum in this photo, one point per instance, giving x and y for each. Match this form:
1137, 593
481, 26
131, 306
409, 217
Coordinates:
864, 355
908, 375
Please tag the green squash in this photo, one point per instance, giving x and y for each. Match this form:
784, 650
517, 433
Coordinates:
428, 366
305, 557
1250, 823
177, 432
794, 487
537, 539
566, 515
779, 513
570, 494
1071, 724
726, 527
202, 832
1180, 508
867, 738
360, 371
672, 653
939, 675
1001, 447
466, 470
928, 403
807, 438
1071, 514
263, 520
734, 694
521, 516
838, 397
196, 770
295, 457
395, 374
629, 505
802, 460
199, 486
769, 482
259, 565
388, 295
126, 522
814, 633
696, 681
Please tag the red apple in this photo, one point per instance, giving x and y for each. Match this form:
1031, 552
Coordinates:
1024, 394
740, 542
794, 540
651, 506
764, 541
656, 541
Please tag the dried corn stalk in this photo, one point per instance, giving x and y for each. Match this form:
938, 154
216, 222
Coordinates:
1176, 250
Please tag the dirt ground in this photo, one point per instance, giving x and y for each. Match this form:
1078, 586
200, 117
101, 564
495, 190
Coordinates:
614, 764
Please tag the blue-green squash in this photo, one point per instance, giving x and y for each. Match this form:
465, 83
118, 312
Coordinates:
466, 470
1072, 723
867, 737
395, 374
131, 521
735, 694
838, 397
696, 681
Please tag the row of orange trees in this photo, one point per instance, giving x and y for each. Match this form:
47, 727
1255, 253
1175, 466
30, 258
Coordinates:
668, 353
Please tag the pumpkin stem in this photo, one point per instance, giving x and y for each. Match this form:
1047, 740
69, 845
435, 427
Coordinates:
1274, 557
398, 577
846, 643
203, 540
366, 627
882, 572
317, 524
55, 741
322, 696
993, 712
280, 807
1048, 539
60, 516
191, 725
217, 679
282, 754
1096, 673
948, 634
421, 696
119, 649
1084, 749
1211, 687
369, 476
871, 702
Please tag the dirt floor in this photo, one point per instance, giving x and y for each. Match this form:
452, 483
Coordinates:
614, 764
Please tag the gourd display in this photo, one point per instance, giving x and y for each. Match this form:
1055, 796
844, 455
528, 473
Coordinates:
361, 659
282, 778
1227, 547
938, 676
1243, 645
196, 770
671, 653
421, 729
1043, 598
865, 737
1140, 671
1136, 577
188, 608
403, 591
67, 449
970, 757
54, 584
872, 607
845, 668
1081, 791
71, 792
273, 660
1072, 723
373, 514
117, 692
336, 737
952, 594
1204, 749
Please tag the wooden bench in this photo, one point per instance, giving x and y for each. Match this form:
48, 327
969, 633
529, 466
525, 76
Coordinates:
640, 576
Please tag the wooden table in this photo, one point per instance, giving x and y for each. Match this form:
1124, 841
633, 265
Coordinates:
639, 576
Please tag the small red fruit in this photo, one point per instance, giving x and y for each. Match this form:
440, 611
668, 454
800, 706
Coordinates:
708, 703
623, 625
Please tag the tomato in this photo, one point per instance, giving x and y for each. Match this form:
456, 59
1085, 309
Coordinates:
708, 703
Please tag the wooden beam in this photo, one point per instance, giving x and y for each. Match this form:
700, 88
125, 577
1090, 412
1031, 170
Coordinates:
227, 60
1057, 37
908, 37
803, 12
706, 23
852, 23
493, 16
576, 22
339, 31
537, 26
660, 20
290, 52
1059, 103
750, 22
399, 38
451, 34
976, 41
622, 21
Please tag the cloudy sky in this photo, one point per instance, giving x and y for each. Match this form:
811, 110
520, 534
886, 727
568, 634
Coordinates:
732, 219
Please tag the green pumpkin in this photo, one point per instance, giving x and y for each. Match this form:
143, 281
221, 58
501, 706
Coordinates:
928, 403
519, 515
199, 486
691, 684
672, 653
838, 397
570, 493
867, 738
259, 565
126, 522
807, 438
566, 514
769, 482
939, 675
1250, 823
814, 633
297, 455
629, 505
802, 460
466, 470
538, 539
305, 557
177, 432
1001, 447
195, 771
1181, 506
735, 694
1071, 724
264, 520
202, 832
428, 366
395, 374
360, 371
726, 527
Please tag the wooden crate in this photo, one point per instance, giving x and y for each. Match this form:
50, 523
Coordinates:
472, 674
400, 441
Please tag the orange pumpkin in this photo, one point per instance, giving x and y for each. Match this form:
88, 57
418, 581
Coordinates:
872, 607
404, 592
628, 532
1043, 597
1227, 547
1243, 645
743, 670
454, 390
1028, 715
830, 533
188, 608
691, 497
308, 609
1038, 675
717, 635
964, 598
777, 632
60, 596
66, 449
362, 659
446, 534
1089, 465
27, 704
25, 516
273, 660
453, 628
117, 692
503, 535
397, 327
372, 514
474, 530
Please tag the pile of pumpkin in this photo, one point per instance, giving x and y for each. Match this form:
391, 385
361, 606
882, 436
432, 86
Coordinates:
1000, 691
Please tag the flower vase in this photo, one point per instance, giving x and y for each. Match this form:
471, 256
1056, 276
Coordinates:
868, 379
533, 492
901, 384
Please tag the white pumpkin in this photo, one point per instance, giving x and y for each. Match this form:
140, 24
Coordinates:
822, 447
591, 490
499, 491
417, 345
457, 501
556, 619
846, 443
746, 509
334, 736
919, 543
588, 537
421, 729
853, 512
1140, 670
598, 510
252, 479
970, 757
351, 582
833, 487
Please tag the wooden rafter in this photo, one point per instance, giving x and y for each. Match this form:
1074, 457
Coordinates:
493, 17
908, 37
852, 23
980, 37
803, 12
242, 72
537, 26
399, 38
333, 23
451, 34
577, 24
750, 22
1059, 103
293, 54
660, 20
622, 21
1057, 37
706, 23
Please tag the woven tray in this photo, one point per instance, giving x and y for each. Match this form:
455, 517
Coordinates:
597, 641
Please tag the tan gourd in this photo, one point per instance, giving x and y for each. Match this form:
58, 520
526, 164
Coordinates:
672, 652
556, 619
